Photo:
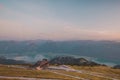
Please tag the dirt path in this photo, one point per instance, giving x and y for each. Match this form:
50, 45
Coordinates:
24, 78
79, 78
95, 74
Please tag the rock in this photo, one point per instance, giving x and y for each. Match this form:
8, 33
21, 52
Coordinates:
68, 60
38, 68
116, 67
41, 64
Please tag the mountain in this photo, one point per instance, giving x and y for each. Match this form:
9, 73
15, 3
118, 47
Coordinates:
103, 50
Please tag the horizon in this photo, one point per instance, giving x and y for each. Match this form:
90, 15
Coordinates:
59, 20
60, 40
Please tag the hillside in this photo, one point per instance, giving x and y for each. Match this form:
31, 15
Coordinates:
58, 68
80, 73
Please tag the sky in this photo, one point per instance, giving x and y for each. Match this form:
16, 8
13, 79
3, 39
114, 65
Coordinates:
60, 19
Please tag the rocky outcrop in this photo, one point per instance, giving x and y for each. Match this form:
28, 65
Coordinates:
68, 60
41, 64
116, 67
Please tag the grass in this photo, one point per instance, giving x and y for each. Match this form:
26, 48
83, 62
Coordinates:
8, 79
86, 76
17, 72
106, 71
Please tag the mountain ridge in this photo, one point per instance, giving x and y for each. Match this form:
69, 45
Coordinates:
106, 50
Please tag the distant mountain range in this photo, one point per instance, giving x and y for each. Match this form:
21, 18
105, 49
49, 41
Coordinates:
103, 50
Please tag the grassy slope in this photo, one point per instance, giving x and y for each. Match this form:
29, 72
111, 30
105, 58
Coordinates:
8, 79
9, 71
86, 76
106, 71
